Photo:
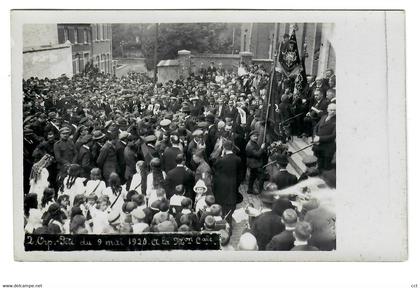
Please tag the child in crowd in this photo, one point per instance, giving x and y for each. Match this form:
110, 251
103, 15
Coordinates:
95, 185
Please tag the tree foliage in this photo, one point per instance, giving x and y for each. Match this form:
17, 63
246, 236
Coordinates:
195, 37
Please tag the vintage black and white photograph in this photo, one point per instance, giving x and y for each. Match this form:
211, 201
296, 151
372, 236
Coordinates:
201, 136
183, 128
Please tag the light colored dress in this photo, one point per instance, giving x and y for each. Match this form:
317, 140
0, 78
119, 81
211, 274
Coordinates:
76, 189
40, 185
136, 183
119, 200
95, 186
150, 191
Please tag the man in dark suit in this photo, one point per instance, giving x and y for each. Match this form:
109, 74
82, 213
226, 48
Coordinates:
226, 175
180, 175
282, 178
318, 109
85, 157
211, 136
302, 234
254, 153
211, 69
324, 139
108, 160
120, 145
230, 111
284, 241
268, 223
130, 157
170, 153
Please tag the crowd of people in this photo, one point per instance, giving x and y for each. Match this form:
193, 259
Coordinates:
105, 155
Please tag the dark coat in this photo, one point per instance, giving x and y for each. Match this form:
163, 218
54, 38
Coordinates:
321, 105
265, 227
130, 158
85, 160
108, 160
64, 152
168, 158
120, 147
254, 155
179, 175
226, 175
326, 132
211, 139
231, 113
283, 179
281, 242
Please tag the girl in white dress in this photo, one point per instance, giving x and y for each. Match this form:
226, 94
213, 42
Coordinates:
73, 184
139, 179
95, 185
115, 192
38, 180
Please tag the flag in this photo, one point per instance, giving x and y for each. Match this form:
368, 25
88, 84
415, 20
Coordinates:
291, 71
292, 65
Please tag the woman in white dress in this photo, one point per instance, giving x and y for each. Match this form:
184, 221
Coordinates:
155, 179
138, 182
38, 180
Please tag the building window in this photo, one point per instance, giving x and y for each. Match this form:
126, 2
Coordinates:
102, 63
107, 64
98, 62
76, 64
97, 32
86, 60
66, 34
102, 32
75, 36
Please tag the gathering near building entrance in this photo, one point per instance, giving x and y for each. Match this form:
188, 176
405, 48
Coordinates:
157, 128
